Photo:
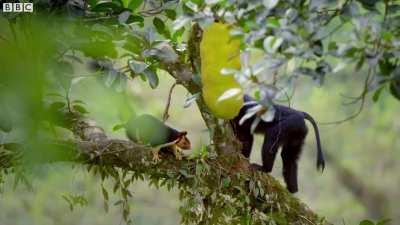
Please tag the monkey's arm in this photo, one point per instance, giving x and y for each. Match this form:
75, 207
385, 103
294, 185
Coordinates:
246, 139
172, 144
177, 152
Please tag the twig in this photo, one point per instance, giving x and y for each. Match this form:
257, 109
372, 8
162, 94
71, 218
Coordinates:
305, 218
166, 115
153, 11
356, 99
274, 78
337, 12
67, 98
288, 99
90, 19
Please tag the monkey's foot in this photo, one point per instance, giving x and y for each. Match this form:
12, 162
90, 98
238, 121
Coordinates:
156, 155
177, 152
255, 167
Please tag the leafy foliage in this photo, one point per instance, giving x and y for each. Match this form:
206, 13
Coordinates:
74, 200
369, 222
126, 40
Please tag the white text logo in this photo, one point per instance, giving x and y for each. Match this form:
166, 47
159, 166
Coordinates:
17, 7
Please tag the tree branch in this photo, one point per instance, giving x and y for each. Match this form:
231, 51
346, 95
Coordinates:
95, 148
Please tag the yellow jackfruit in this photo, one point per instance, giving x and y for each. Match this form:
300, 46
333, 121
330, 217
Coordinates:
221, 93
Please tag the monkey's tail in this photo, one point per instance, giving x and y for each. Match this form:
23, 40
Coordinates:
320, 155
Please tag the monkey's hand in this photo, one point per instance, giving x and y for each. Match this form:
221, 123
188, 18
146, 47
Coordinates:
156, 155
177, 152
255, 167
156, 150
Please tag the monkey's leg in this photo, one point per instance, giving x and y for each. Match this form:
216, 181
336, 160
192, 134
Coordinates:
156, 155
269, 149
255, 166
177, 152
247, 143
156, 150
290, 155
295, 133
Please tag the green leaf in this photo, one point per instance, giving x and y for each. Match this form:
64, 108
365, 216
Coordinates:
190, 7
272, 43
123, 17
184, 173
104, 192
160, 27
80, 109
270, 4
351, 52
107, 7
152, 77
386, 67
226, 182
70, 203
246, 219
317, 48
171, 14
332, 46
6, 124
119, 202
133, 44
273, 22
178, 34
134, 4
395, 89
368, 4
125, 212
387, 36
360, 63
92, 3
137, 66
136, 19
105, 206
159, 24
377, 93
367, 222
99, 49
116, 186
55, 106
77, 101
383, 222
55, 95
118, 127
180, 22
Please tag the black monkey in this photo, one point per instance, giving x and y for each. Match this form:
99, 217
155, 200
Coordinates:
147, 129
287, 129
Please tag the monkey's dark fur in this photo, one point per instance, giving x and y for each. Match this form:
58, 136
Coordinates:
287, 130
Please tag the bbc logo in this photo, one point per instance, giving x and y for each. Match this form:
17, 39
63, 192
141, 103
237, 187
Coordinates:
17, 7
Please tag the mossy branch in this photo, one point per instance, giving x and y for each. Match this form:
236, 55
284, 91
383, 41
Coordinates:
263, 193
